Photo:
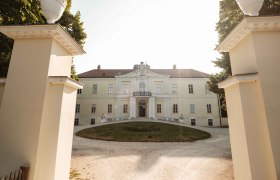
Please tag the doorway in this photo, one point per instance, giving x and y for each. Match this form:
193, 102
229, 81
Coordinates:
142, 109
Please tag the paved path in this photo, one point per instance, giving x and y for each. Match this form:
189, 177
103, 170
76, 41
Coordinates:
204, 159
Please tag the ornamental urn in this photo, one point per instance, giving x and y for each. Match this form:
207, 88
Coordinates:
250, 7
53, 9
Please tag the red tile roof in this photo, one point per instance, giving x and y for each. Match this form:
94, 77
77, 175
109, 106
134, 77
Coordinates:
174, 73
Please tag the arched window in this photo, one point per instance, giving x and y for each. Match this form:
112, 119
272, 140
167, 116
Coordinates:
142, 86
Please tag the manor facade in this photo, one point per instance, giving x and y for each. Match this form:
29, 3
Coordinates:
177, 95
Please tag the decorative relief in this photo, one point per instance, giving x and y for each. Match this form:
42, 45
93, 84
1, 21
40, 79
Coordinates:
141, 68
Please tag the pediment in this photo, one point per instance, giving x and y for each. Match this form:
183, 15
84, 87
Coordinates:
142, 73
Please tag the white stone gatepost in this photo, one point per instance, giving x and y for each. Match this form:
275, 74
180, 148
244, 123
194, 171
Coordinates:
253, 98
38, 104
152, 112
132, 107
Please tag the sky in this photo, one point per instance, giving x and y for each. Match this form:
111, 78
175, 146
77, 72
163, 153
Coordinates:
121, 33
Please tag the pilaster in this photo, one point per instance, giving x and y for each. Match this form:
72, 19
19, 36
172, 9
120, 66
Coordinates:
152, 107
132, 108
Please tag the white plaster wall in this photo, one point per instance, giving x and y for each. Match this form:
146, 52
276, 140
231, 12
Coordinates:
244, 57
267, 49
60, 62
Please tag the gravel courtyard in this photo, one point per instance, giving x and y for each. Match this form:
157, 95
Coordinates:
204, 159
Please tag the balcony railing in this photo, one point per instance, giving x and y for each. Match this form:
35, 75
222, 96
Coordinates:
142, 93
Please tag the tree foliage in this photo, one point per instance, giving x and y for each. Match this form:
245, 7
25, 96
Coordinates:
230, 16
17, 12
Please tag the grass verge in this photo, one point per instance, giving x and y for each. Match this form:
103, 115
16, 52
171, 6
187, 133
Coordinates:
143, 132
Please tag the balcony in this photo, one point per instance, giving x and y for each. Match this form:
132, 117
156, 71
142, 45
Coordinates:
142, 93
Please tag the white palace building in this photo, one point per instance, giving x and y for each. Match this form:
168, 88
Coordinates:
176, 95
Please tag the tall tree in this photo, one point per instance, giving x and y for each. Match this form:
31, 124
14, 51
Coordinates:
230, 15
29, 12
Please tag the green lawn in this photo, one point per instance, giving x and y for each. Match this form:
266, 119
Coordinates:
143, 132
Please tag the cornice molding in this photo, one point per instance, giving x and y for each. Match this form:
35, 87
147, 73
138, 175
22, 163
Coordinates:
248, 25
240, 78
43, 31
64, 80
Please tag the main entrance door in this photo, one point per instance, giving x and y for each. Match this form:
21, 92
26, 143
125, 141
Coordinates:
142, 109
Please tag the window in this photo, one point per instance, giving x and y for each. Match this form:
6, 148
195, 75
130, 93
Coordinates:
110, 89
158, 108
79, 91
125, 89
193, 123
174, 88
76, 123
93, 108
190, 89
125, 107
94, 89
78, 106
158, 88
192, 108
207, 89
92, 121
109, 108
175, 108
209, 109
210, 122
142, 86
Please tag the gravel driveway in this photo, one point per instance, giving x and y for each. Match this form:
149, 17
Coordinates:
204, 159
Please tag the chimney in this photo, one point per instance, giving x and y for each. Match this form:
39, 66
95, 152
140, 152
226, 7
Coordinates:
98, 67
174, 66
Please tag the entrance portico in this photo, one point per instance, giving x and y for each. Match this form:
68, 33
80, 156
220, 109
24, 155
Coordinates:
142, 104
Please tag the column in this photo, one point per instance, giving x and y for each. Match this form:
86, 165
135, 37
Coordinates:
38, 104
253, 97
152, 114
132, 108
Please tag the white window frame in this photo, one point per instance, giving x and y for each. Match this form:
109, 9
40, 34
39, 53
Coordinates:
209, 108
159, 108
78, 108
92, 120
192, 108
110, 108
125, 89
76, 122
210, 122
174, 88
110, 89
175, 108
93, 108
158, 88
94, 89
142, 86
190, 88
125, 108
193, 122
